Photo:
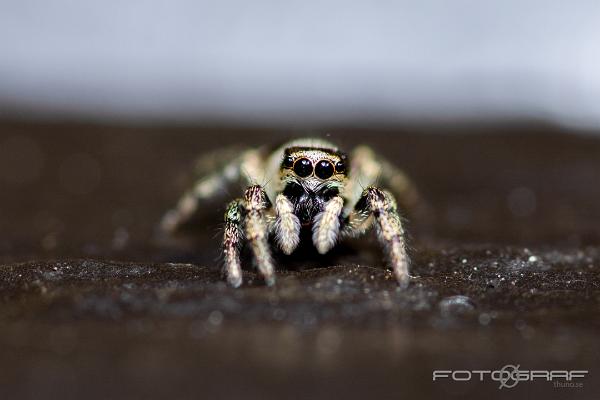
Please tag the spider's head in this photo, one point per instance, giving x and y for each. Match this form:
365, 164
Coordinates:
312, 176
314, 167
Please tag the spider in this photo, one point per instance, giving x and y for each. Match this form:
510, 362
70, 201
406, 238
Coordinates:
309, 184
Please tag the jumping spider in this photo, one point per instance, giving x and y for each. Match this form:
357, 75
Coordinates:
310, 185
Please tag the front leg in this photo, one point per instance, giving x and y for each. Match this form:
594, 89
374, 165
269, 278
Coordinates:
256, 203
232, 241
390, 234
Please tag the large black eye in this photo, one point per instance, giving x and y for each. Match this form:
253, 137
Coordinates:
288, 162
324, 169
303, 167
340, 167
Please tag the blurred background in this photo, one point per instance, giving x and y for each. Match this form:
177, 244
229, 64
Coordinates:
105, 105
300, 63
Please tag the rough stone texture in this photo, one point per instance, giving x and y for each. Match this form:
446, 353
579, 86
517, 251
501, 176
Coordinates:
96, 303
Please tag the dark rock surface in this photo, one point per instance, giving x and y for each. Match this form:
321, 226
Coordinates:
97, 304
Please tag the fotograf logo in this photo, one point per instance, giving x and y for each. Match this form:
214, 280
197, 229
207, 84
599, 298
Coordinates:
510, 375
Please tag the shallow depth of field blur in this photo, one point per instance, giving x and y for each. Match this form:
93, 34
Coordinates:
301, 63
490, 107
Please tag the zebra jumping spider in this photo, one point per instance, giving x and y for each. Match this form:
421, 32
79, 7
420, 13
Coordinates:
308, 185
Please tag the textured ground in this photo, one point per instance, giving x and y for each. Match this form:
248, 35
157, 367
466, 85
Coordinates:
97, 304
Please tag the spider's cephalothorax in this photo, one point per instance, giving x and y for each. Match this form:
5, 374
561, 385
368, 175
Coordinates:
311, 177
308, 184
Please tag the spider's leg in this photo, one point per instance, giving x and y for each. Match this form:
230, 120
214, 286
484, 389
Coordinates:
326, 227
381, 205
368, 168
232, 241
256, 203
208, 186
287, 225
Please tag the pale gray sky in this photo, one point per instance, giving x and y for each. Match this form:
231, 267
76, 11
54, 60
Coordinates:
300, 60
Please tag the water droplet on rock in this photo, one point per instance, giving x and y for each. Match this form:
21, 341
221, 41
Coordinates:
456, 305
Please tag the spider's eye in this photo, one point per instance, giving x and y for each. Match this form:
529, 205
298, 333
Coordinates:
288, 162
303, 167
324, 169
340, 167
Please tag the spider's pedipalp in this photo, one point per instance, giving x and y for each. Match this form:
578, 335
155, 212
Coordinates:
287, 225
256, 230
326, 226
